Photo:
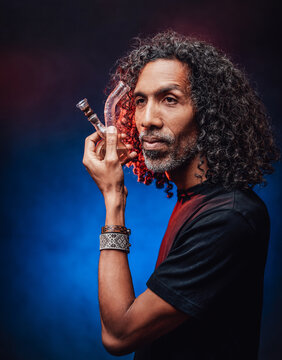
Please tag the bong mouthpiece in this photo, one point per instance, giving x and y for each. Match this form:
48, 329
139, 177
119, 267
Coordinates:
110, 106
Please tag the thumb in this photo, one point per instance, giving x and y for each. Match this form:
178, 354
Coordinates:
111, 143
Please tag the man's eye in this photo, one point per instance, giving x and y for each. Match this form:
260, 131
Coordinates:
170, 100
139, 101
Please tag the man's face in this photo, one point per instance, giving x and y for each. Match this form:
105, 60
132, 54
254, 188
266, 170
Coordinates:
165, 116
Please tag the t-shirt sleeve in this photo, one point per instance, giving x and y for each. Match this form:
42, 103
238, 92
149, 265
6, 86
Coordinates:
207, 256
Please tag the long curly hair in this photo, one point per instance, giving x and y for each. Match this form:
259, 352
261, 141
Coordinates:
234, 132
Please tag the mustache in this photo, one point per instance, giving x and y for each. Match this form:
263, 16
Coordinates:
157, 136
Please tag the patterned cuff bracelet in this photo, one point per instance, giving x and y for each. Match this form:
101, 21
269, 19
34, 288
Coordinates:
114, 241
115, 229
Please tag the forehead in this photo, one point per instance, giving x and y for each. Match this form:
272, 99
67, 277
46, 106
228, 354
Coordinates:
162, 72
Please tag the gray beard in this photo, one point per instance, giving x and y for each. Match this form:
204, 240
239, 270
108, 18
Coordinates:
160, 162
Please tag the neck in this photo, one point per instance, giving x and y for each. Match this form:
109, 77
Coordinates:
185, 178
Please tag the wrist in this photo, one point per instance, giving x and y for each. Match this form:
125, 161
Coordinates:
114, 198
114, 213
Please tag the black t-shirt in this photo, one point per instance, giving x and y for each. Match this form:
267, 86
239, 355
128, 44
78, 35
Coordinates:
211, 267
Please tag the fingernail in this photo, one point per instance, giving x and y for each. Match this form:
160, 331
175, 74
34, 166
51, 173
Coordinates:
111, 130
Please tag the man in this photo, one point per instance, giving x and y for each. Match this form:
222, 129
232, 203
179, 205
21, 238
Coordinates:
191, 118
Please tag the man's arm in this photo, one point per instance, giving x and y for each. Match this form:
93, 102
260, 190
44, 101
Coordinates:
127, 322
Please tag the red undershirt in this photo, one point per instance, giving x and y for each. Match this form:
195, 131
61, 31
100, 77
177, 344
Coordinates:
183, 209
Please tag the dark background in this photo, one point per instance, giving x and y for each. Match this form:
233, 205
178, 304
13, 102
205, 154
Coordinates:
53, 54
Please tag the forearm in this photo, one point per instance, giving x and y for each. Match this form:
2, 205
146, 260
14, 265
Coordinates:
116, 292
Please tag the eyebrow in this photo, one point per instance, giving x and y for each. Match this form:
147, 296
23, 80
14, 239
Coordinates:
160, 91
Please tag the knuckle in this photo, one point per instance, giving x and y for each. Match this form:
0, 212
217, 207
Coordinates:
84, 161
90, 137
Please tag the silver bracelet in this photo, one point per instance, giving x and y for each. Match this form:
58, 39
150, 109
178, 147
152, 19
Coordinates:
114, 241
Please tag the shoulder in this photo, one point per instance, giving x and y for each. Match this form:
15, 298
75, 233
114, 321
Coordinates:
231, 212
250, 206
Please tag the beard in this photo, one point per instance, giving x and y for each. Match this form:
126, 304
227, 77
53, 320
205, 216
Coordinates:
160, 161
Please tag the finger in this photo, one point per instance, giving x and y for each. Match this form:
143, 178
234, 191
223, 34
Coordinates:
128, 146
130, 157
123, 137
94, 137
90, 144
111, 143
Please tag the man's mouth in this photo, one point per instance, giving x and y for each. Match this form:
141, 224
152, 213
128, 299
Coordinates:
153, 143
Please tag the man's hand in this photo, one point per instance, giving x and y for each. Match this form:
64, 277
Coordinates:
107, 173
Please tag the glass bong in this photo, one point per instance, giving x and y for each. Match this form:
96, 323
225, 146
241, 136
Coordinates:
110, 120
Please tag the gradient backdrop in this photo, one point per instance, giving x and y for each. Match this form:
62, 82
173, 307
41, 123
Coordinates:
53, 54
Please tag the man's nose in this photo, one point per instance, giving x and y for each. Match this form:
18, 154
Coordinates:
151, 116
